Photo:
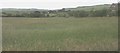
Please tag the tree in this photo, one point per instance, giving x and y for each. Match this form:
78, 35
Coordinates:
78, 13
37, 14
100, 13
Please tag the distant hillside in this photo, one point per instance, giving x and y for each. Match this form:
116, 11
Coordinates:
80, 11
88, 8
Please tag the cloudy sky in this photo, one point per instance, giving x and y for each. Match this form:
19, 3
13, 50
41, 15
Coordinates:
51, 4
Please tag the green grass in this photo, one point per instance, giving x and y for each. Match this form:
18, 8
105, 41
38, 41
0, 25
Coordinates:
60, 34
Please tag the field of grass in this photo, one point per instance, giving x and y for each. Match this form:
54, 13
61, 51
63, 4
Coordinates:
60, 34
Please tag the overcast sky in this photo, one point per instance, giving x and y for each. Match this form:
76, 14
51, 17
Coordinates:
51, 4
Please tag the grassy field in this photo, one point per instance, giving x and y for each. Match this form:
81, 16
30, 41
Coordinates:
60, 34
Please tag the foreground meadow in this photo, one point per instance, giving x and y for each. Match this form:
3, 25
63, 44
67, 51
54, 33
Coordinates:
60, 34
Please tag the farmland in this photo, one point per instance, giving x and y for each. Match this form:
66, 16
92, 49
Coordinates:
60, 34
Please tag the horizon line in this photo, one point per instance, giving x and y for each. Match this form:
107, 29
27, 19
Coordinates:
50, 8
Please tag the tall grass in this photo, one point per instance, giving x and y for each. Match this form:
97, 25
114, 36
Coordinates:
60, 34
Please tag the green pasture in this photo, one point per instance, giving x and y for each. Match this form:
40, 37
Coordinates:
60, 34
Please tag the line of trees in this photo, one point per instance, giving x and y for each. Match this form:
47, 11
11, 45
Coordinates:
82, 13
66, 13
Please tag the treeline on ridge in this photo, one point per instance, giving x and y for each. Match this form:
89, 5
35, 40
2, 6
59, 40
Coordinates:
111, 11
